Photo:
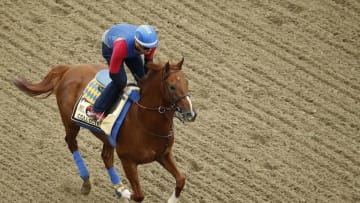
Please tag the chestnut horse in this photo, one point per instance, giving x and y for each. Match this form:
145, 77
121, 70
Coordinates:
146, 134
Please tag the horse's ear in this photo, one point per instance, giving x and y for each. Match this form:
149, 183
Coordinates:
179, 65
167, 66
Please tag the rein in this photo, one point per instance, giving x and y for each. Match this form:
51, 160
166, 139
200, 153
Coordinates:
160, 109
163, 109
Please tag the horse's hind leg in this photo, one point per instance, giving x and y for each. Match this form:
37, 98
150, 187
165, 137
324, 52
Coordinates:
168, 162
70, 138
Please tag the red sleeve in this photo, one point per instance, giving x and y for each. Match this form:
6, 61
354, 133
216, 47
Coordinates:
118, 55
150, 55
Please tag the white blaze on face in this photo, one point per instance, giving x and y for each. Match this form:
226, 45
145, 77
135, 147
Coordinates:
191, 107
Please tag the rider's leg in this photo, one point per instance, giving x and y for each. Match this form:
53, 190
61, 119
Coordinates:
111, 92
106, 98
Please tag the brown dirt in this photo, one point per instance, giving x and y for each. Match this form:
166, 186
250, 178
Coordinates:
276, 83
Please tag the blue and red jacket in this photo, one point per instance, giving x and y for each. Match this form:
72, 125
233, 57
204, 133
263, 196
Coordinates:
120, 38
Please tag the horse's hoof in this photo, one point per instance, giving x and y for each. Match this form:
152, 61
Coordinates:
122, 193
126, 194
86, 187
172, 198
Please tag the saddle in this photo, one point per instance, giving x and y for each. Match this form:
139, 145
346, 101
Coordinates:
112, 123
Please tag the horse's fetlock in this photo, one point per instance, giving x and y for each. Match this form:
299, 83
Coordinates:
137, 198
180, 181
86, 187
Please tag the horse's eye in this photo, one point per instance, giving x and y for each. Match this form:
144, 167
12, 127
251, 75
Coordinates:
172, 88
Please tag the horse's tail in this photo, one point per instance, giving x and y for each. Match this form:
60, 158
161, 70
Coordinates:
46, 86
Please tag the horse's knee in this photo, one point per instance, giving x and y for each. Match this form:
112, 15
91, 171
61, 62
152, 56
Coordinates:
71, 143
107, 156
107, 153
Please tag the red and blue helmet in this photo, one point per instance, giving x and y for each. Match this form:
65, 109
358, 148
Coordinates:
146, 36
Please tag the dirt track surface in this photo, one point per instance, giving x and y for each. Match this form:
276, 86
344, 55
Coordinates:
276, 84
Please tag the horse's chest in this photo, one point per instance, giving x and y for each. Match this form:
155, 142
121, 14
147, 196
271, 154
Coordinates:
145, 154
141, 147
142, 156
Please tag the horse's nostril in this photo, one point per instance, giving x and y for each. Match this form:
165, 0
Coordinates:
189, 116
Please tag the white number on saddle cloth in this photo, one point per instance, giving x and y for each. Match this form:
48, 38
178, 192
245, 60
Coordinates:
80, 114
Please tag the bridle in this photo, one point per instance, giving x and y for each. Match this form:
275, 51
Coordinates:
173, 107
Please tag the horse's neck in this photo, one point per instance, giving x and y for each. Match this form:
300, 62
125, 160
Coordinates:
152, 94
152, 97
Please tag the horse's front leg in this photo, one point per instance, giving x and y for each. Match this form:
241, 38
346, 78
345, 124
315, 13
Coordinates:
168, 162
131, 172
107, 155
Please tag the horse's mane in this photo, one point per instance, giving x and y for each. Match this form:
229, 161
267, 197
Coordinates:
162, 64
156, 66
153, 68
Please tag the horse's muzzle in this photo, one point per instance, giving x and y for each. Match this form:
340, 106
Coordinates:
185, 116
190, 116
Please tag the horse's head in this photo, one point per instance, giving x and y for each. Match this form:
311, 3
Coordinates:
174, 87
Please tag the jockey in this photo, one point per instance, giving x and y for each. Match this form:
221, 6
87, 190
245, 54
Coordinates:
124, 43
